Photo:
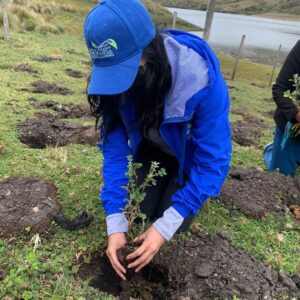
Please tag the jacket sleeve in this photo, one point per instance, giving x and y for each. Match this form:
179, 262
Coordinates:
115, 150
211, 137
290, 67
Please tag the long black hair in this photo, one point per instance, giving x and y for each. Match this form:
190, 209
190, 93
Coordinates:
151, 85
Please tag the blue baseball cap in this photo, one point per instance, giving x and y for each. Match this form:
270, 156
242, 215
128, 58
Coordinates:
116, 32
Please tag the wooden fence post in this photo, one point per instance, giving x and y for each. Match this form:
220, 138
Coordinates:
274, 66
5, 20
174, 19
238, 57
209, 18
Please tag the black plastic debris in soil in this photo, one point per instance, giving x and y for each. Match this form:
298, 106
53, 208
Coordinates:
206, 267
65, 111
248, 131
258, 194
25, 68
27, 203
74, 73
38, 133
44, 87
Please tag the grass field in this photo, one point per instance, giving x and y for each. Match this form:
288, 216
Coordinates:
49, 271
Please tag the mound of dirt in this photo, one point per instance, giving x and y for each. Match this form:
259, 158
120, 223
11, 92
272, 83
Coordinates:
38, 133
47, 58
74, 73
248, 131
257, 194
44, 87
205, 268
65, 111
25, 68
26, 202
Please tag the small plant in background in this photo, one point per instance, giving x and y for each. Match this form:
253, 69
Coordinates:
136, 194
295, 97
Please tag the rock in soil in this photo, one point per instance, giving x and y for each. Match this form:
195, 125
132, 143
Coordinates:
74, 73
44, 87
248, 131
41, 132
27, 203
205, 268
25, 68
65, 111
258, 194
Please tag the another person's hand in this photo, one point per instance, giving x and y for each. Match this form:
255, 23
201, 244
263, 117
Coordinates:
151, 243
116, 241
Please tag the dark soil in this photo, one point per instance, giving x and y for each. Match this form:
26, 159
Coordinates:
25, 68
258, 194
27, 202
65, 111
205, 267
47, 59
44, 87
248, 131
38, 133
74, 73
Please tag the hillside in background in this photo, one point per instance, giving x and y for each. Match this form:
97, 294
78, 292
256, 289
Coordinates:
248, 7
68, 16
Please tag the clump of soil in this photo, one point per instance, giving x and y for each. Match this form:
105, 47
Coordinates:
206, 267
38, 133
74, 73
27, 202
47, 58
44, 87
248, 131
25, 68
65, 111
257, 194
239, 112
231, 87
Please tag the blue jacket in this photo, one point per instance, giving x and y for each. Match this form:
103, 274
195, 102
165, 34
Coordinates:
199, 137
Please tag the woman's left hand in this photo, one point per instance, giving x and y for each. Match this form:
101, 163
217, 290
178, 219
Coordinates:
151, 243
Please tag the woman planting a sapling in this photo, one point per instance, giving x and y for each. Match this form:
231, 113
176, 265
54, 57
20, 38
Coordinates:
160, 97
284, 152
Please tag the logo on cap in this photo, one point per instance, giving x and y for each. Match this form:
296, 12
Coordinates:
104, 50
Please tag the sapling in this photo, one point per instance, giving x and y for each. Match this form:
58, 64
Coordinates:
295, 97
136, 193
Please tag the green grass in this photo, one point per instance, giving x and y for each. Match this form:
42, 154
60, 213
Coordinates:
49, 272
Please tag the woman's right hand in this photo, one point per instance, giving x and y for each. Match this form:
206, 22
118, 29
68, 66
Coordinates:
116, 241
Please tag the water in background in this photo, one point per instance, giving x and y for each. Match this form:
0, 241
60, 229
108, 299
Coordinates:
263, 36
